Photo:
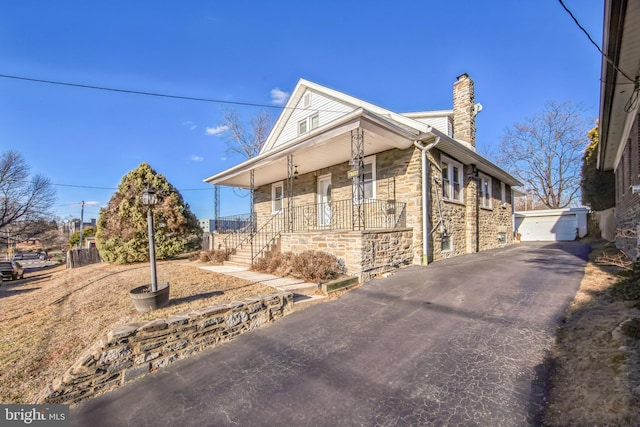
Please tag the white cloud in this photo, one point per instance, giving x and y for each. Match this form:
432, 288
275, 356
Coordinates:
197, 158
223, 158
218, 130
279, 97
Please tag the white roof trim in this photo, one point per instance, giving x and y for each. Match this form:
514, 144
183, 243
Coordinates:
435, 113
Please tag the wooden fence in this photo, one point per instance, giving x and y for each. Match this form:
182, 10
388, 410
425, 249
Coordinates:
81, 257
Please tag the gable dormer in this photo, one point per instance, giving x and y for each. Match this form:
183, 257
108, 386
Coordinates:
307, 110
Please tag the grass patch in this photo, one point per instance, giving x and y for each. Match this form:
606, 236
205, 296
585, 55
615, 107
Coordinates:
596, 359
50, 317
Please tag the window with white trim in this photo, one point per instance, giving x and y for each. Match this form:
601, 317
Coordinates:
452, 180
314, 121
484, 191
277, 196
306, 102
308, 124
302, 127
369, 178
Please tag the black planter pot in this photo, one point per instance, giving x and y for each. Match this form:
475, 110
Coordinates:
145, 300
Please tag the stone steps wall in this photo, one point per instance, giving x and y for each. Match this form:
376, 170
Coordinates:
130, 351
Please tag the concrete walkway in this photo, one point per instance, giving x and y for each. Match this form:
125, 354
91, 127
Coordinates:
303, 291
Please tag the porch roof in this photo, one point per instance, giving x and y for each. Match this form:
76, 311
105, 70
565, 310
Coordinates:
331, 145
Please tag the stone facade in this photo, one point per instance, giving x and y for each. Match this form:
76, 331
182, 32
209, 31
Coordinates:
364, 253
628, 203
130, 351
398, 177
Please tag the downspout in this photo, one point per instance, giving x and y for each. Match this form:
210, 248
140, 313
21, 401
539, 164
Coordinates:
425, 196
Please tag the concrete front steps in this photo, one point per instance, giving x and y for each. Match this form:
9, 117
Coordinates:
242, 256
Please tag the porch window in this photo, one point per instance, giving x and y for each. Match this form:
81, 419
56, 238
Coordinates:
277, 195
484, 192
451, 180
369, 178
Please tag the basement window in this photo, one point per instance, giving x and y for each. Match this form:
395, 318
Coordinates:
446, 243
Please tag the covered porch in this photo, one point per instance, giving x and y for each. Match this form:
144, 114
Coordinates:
337, 227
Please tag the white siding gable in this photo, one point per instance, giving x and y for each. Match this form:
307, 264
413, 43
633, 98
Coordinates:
440, 122
326, 107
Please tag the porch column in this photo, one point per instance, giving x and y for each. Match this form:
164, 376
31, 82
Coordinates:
357, 175
290, 177
216, 207
252, 213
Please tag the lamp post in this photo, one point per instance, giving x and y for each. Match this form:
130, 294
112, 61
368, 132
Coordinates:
149, 199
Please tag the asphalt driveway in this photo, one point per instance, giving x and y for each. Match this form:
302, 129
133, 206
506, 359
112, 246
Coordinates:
460, 342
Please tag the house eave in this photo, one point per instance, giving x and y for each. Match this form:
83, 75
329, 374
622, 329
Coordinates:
381, 134
620, 44
305, 150
465, 155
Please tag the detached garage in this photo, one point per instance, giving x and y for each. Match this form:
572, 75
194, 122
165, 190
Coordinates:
552, 224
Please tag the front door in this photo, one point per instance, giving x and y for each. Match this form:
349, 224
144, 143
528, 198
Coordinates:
324, 200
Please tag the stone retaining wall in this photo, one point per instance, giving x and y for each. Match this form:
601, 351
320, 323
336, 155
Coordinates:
130, 351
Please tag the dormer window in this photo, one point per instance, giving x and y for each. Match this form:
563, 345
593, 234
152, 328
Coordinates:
302, 127
308, 124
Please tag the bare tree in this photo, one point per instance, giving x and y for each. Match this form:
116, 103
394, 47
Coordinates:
545, 153
25, 201
246, 140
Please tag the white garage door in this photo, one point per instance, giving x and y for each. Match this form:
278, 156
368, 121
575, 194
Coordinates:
547, 228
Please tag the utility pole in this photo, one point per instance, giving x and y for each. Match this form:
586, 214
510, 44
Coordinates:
81, 222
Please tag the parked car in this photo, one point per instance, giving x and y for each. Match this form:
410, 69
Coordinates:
11, 270
18, 255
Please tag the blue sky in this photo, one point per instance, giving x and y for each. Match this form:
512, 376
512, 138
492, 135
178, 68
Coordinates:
402, 55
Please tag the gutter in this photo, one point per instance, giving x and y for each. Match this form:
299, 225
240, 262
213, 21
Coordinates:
425, 192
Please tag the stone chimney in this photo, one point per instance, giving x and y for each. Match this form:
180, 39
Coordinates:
464, 110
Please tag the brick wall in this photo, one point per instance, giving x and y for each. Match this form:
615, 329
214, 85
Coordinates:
627, 203
130, 351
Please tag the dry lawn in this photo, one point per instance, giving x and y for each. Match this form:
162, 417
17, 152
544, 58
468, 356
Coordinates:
50, 317
596, 367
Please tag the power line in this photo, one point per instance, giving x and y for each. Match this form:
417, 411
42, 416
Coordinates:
595, 44
89, 187
157, 94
